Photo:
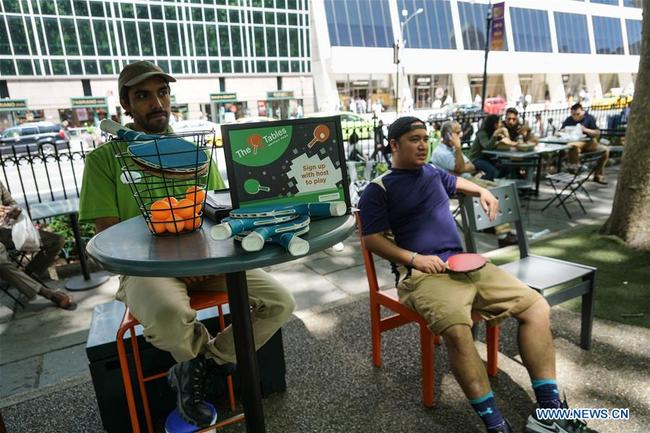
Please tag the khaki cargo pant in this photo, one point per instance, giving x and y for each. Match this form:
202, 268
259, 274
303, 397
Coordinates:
447, 299
577, 147
162, 306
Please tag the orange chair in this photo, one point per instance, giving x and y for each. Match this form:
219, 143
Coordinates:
404, 315
199, 300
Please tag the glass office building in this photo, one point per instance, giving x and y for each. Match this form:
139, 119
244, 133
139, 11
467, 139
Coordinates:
551, 52
247, 49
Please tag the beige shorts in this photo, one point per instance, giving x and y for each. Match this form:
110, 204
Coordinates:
448, 299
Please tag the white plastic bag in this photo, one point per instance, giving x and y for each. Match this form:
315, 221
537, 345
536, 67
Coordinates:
24, 234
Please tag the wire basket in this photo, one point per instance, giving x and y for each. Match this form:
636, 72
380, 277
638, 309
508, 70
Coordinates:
169, 179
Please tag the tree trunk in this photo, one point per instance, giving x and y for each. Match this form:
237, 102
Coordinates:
630, 217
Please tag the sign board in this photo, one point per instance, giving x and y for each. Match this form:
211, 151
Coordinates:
288, 161
88, 102
280, 94
223, 97
498, 30
13, 104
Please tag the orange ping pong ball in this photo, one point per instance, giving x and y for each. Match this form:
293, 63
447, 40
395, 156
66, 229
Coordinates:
160, 210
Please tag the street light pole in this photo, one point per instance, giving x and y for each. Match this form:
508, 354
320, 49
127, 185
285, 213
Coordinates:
488, 22
396, 50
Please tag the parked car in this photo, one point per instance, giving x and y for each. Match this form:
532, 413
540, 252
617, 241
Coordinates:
468, 109
495, 105
441, 114
351, 122
189, 126
35, 137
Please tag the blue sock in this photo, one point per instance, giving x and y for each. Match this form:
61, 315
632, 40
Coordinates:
487, 409
546, 393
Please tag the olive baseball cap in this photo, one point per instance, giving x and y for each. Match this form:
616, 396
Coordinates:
137, 72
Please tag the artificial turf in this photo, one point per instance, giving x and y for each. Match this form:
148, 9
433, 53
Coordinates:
622, 279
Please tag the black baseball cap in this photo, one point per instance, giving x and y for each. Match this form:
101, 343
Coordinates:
403, 125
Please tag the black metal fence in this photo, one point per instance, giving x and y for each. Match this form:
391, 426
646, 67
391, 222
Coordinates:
35, 177
39, 176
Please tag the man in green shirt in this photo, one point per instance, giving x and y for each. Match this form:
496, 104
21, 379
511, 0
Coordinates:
161, 305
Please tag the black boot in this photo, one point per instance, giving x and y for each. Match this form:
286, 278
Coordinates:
186, 378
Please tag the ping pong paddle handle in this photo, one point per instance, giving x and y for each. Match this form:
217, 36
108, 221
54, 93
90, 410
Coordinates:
312, 142
111, 127
292, 243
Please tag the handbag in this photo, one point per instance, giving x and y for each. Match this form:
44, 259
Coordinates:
24, 235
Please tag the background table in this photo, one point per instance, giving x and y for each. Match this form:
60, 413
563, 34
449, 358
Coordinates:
70, 207
129, 248
535, 153
562, 140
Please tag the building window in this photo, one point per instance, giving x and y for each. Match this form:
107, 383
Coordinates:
606, 2
530, 30
473, 24
25, 67
572, 35
18, 36
433, 28
91, 67
53, 37
633, 3
608, 35
5, 47
633, 36
101, 38
360, 23
7, 67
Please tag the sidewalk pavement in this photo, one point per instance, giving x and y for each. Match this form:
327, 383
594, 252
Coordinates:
42, 347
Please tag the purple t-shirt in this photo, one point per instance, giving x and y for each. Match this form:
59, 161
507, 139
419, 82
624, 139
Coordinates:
414, 205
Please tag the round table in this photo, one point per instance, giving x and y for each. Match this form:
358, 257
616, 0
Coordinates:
129, 248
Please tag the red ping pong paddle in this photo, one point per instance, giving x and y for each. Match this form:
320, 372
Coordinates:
465, 262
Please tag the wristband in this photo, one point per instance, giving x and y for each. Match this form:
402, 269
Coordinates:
412, 259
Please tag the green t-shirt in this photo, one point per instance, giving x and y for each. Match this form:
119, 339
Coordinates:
105, 191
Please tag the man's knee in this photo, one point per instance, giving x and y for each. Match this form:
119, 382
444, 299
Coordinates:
538, 312
271, 297
458, 336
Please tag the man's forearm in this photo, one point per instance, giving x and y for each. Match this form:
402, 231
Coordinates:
381, 246
467, 187
459, 166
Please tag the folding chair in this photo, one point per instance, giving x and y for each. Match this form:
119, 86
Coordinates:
404, 315
543, 274
566, 185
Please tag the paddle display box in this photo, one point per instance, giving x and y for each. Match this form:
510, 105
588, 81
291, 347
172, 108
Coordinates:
286, 162
101, 351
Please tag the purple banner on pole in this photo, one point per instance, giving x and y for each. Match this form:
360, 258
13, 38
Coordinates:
498, 30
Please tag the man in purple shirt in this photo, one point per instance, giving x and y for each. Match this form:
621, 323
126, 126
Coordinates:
411, 203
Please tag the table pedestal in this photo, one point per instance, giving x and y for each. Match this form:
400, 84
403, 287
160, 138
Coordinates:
242, 328
86, 281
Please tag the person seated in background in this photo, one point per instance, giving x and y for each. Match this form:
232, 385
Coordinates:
449, 156
51, 245
518, 131
538, 125
488, 136
587, 123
